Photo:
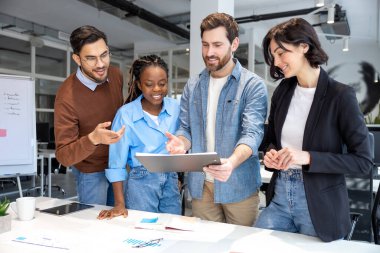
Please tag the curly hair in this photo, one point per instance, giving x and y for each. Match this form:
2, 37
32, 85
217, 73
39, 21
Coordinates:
138, 67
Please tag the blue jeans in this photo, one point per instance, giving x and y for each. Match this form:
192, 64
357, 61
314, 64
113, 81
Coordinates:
288, 209
110, 196
153, 192
91, 187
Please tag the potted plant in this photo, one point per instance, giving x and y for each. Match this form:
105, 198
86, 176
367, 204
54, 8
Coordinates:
5, 218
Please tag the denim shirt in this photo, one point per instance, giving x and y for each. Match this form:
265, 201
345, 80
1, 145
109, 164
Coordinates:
142, 134
240, 117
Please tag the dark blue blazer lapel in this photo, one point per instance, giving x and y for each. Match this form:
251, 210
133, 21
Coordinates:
315, 110
283, 107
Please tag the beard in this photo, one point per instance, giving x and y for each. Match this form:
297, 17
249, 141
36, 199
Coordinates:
221, 62
93, 77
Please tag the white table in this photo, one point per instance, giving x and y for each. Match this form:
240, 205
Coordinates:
82, 232
265, 174
49, 154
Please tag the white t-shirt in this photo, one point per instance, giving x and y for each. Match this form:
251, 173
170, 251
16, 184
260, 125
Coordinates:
214, 88
294, 125
153, 117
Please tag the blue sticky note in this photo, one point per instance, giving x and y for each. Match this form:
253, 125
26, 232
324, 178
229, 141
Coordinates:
149, 220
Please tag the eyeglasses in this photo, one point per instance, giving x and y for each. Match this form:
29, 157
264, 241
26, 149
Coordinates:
93, 60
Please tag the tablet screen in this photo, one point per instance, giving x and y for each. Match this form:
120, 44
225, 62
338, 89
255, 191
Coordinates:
66, 209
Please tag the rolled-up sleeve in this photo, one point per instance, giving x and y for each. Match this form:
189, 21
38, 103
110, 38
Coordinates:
254, 115
184, 116
118, 152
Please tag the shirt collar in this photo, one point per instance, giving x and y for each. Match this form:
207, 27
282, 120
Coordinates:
138, 112
86, 81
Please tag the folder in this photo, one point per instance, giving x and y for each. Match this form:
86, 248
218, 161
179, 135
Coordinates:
177, 162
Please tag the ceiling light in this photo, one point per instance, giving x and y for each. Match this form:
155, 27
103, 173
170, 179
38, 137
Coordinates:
345, 44
376, 79
319, 3
331, 14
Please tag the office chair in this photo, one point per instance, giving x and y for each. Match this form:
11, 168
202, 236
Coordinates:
5, 181
55, 165
360, 193
376, 218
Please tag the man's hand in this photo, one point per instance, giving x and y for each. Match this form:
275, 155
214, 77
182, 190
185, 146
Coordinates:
175, 145
114, 212
101, 135
220, 172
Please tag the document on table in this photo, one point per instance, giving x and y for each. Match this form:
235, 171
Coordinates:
41, 240
177, 162
165, 222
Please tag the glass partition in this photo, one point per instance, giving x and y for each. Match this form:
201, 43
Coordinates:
15, 54
50, 61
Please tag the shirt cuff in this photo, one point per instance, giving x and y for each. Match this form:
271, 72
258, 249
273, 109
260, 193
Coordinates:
116, 175
248, 142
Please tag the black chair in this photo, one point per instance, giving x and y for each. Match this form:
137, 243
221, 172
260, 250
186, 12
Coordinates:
56, 168
360, 193
376, 218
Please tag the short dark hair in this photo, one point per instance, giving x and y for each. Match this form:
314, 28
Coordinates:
137, 68
84, 35
216, 20
294, 31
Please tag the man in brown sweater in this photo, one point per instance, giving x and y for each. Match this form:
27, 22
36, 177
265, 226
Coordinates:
85, 105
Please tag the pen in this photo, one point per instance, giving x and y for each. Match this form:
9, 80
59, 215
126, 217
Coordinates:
148, 243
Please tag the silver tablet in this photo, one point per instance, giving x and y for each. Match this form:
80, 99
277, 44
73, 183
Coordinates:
177, 163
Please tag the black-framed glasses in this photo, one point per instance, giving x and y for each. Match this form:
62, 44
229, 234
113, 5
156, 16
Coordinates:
93, 60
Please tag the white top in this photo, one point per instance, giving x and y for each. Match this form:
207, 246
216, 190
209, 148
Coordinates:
214, 88
294, 125
153, 117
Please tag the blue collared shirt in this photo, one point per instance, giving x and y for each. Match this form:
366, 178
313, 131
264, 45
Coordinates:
86, 81
240, 117
142, 134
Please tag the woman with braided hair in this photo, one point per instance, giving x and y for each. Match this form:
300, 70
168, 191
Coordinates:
146, 115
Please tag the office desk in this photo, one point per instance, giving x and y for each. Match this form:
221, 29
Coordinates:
48, 154
82, 232
265, 175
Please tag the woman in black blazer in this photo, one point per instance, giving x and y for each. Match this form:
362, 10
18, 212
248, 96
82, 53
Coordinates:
311, 118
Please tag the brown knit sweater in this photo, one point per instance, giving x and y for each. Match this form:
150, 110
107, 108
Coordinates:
77, 111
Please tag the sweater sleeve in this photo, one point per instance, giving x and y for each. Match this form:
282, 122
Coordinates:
70, 149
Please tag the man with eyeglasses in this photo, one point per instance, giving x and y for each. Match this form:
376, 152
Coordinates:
85, 105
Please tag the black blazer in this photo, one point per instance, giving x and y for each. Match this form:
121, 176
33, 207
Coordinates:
334, 120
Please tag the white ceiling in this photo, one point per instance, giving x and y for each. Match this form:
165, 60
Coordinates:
66, 15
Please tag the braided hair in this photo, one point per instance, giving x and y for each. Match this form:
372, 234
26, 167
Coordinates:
138, 67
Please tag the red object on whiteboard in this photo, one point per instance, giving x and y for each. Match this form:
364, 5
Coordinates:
3, 132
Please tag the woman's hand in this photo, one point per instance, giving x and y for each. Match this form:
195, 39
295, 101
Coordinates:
289, 156
271, 159
114, 212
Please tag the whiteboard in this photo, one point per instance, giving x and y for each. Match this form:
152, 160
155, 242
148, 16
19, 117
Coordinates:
17, 125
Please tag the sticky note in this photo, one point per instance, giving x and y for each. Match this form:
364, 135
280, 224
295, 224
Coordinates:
149, 220
3, 132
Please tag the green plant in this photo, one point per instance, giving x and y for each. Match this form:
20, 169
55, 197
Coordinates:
4, 205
